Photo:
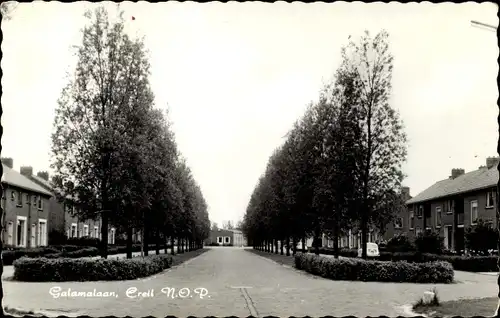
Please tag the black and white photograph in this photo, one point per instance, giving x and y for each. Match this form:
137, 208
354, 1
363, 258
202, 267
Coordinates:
249, 159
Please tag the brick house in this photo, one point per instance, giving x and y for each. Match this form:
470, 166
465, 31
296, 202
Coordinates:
454, 204
62, 216
26, 209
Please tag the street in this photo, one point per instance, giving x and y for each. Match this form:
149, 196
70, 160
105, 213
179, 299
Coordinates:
233, 281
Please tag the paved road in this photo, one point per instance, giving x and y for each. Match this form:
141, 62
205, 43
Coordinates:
241, 283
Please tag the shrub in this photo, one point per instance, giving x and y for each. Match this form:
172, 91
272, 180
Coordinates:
429, 242
213, 244
481, 238
66, 269
399, 243
10, 256
84, 241
358, 269
57, 237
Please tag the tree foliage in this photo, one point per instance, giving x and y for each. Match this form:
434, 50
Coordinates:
340, 166
114, 154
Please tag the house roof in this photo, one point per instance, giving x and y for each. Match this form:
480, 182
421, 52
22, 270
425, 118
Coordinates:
475, 180
14, 178
43, 182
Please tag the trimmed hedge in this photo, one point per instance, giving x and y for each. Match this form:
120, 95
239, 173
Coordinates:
67, 269
460, 263
68, 251
379, 271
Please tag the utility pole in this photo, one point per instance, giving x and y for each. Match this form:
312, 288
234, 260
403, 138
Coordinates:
490, 27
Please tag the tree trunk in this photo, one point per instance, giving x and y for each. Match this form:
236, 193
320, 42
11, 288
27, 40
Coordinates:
172, 245
294, 246
281, 247
303, 244
104, 234
146, 236
276, 249
158, 241
288, 247
336, 235
316, 240
129, 242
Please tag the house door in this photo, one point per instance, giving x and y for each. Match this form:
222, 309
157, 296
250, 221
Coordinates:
33, 235
449, 234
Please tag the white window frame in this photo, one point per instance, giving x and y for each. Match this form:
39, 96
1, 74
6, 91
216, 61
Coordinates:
418, 231
438, 212
449, 207
10, 233
19, 198
25, 230
399, 225
473, 204
85, 230
33, 236
220, 239
42, 240
111, 236
410, 219
74, 226
39, 204
227, 240
96, 231
489, 197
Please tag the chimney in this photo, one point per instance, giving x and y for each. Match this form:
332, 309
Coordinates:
455, 173
492, 162
9, 162
44, 175
405, 193
26, 171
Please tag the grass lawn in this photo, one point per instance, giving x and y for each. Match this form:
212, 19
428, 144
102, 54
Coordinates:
281, 259
465, 308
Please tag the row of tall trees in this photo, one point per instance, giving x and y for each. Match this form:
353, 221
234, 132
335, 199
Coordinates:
340, 166
114, 154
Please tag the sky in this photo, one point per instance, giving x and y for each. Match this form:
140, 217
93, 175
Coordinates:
235, 77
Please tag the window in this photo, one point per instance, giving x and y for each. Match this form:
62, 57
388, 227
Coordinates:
19, 199
489, 199
73, 230
27, 199
420, 211
412, 220
33, 235
42, 232
449, 206
85, 230
80, 232
21, 231
40, 203
398, 223
96, 232
219, 239
418, 231
473, 212
111, 236
226, 239
438, 216
13, 195
10, 233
